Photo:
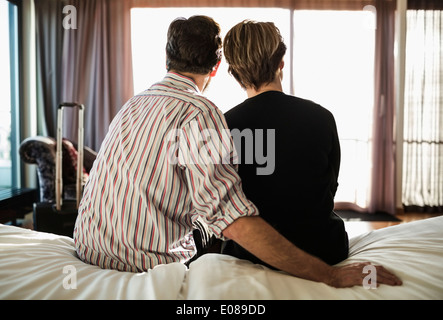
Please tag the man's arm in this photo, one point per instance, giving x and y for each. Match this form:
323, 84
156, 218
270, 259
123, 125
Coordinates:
259, 238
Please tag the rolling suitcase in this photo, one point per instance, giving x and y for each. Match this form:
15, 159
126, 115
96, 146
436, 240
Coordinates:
59, 217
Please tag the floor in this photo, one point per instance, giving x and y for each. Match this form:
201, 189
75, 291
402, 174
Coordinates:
355, 228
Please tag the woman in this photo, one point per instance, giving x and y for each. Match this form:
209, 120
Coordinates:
297, 197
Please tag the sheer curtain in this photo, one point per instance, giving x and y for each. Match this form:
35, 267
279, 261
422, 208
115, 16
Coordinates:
423, 113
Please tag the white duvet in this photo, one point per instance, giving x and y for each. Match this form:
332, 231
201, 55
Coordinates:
36, 265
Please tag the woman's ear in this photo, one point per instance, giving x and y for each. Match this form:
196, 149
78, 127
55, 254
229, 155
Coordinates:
279, 72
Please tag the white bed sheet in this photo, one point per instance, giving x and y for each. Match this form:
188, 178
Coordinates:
32, 265
413, 251
36, 265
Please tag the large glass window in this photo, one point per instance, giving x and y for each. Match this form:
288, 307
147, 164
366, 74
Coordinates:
334, 66
149, 42
330, 60
9, 167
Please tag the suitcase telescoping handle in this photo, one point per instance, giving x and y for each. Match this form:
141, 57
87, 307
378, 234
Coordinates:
59, 153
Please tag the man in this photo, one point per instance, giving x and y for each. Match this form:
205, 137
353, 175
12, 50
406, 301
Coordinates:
152, 184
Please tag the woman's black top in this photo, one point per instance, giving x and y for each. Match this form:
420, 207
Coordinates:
289, 158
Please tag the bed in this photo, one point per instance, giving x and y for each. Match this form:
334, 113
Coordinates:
36, 265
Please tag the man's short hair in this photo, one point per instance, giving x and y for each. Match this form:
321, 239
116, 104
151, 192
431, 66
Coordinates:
194, 45
254, 51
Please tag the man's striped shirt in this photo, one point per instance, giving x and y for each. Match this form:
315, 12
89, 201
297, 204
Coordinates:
166, 162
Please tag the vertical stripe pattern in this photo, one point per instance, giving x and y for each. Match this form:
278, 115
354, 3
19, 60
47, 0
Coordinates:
165, 162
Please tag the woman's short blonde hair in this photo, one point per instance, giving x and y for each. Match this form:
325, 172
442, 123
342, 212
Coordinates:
254, 51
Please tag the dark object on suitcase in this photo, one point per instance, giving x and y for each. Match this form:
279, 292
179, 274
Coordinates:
48, 219
59, 217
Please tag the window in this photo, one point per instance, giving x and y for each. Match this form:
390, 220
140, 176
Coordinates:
9, 162
149, 42
332, 64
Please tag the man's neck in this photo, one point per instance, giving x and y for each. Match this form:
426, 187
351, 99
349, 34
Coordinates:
200, 80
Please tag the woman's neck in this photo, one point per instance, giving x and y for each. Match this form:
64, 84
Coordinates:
272, 86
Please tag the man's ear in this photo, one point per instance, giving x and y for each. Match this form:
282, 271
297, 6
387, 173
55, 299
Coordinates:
166, 60
214, 70
282, 64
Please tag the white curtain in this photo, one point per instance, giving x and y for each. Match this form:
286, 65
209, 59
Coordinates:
423, 129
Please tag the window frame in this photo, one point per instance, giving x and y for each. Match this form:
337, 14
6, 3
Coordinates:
12, 41
15, 80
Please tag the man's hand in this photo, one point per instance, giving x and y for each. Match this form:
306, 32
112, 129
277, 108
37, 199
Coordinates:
354, 275
263, 241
